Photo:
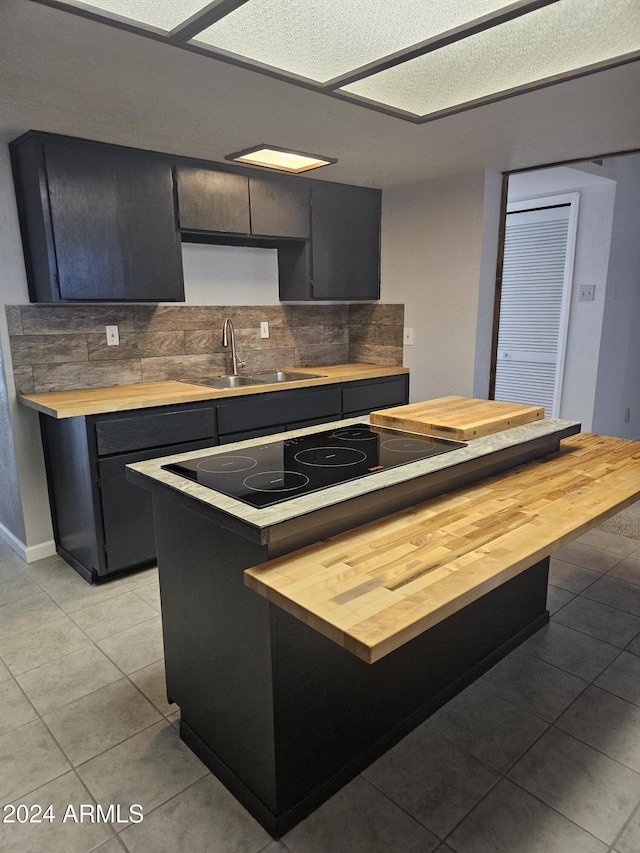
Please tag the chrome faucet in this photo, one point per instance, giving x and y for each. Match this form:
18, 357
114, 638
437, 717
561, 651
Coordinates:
228, 333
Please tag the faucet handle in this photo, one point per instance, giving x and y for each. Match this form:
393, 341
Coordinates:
240, 363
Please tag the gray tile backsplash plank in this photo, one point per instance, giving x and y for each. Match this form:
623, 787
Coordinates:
75, 319
322, 354
381, 335
181, 367
161, 342
23, 377
381, 314
375, 354
136, 344
56, 377
48, 349
176, 317
319, 315
14, 320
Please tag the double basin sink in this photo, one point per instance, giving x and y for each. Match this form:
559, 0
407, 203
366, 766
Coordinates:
265, 378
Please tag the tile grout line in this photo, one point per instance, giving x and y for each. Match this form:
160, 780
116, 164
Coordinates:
500, 777
400, 806
624, 826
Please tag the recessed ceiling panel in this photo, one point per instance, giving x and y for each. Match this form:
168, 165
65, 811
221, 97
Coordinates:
270, 157
554, 40
323, 39
163, 14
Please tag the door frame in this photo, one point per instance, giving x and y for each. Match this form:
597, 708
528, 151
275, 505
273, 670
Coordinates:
546, 200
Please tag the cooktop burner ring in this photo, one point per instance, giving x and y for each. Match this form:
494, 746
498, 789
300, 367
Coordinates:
409, 445
231, 463
344, 457
360, 434
268, 485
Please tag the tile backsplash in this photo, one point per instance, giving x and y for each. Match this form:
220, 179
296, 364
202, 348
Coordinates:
62, 347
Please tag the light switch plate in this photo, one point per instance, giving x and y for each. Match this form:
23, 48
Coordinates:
586, 293
407, 337
113, 336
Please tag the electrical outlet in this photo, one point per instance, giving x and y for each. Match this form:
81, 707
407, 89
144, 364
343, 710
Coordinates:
407, 338
264, 329
113, 336
586, 292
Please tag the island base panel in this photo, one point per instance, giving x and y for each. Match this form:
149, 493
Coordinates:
283, 716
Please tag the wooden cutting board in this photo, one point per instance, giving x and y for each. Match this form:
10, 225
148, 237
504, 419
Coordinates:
460, 418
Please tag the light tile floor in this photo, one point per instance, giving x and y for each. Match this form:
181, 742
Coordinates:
540, 755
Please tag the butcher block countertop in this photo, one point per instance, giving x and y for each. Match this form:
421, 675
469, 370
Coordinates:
459, 418
119, 398
374, 588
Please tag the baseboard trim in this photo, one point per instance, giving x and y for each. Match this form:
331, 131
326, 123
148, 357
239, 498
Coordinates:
29, 553
40, 551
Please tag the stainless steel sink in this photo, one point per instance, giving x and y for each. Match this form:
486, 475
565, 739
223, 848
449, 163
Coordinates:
225, 381
282, 376
230, 381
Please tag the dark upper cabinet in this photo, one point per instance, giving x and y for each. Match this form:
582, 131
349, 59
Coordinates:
98, 222
345, 263
279, 207
211, 200
104, 222
215, 201
342, 259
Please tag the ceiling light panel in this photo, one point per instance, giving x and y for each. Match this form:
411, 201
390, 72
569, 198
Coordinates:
323, 39
555, 40
281, 159
162, 14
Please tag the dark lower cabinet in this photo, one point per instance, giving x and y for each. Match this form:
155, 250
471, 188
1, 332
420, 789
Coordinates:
103, 524
366, 396
127, 512
283, 716
275, 410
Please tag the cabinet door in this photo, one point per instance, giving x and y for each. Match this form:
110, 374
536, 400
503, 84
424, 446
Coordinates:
113, 222
279, 207
209, 200
366, 396
345, 236
127, 510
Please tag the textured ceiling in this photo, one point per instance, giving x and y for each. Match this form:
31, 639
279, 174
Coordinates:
415, 60
62, 73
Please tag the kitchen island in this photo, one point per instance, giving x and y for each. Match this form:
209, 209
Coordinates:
103, 525
293, 671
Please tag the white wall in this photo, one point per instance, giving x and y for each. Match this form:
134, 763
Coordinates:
434, 237
618, 386
593, 239
24, 506
229, 275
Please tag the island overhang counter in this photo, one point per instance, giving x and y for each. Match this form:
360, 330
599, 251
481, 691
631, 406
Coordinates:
296, 662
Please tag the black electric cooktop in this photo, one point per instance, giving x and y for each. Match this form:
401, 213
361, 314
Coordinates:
277, 471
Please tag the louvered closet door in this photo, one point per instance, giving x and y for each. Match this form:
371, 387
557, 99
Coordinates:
533, 306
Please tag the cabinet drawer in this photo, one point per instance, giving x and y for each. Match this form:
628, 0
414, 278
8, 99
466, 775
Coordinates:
161, 428
232, 437
273, 409
375, 395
